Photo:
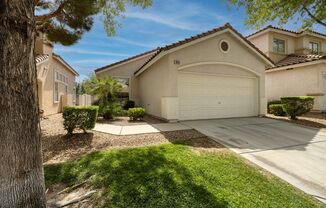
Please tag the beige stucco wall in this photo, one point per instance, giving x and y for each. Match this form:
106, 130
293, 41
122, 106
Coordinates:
42, 47
290, 43
322, 42
299, 81
298, 44
153, 84
261, 42
46, 77
127, 70
160, 80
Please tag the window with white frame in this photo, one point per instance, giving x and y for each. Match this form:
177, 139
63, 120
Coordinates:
66, 89
59, 77
56, 92
313, 47
278, 45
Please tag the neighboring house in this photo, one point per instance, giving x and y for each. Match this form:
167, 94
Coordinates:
300, 63
56, 79
216, 74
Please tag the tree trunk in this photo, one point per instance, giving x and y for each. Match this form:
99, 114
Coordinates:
21, 172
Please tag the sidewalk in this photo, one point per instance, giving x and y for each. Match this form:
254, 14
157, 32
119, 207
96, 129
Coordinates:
139, 129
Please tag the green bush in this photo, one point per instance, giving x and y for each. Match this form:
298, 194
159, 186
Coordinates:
129, 104
297, 106
272, 102
112, 110
81, 117
136, 113
277, 110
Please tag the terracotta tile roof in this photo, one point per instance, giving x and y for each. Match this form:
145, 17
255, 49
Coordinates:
41, 57
284, 30
297, 59
125, 60
65, 63
192, 38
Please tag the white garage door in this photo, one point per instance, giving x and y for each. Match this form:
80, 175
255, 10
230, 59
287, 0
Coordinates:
210, 96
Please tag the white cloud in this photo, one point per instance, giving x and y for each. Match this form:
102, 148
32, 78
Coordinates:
136, 43
90, 52
94, 61
164, 20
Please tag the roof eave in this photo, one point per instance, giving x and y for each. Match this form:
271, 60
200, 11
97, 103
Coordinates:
41, 62
288, 67
224, 28
284, 31
125, 61
60, 59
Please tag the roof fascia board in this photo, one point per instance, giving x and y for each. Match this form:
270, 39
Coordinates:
293, 34
283, 32
295, 66
198, 41
258, 34
251, 48
123, 63
272, 30
178, 48
65, 64
41, 62
159, 56
312, 34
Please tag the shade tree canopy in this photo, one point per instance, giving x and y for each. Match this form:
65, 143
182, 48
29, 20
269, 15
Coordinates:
305, 12
65, 21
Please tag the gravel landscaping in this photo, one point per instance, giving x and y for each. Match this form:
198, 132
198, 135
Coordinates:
312, 119
57, 147
124, 121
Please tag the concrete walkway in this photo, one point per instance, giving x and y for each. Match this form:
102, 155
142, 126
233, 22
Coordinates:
139, 129
294, 153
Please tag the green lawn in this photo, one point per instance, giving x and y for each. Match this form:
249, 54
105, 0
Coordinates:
175, 175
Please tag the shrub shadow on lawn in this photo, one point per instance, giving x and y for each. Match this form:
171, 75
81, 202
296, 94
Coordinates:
147, 177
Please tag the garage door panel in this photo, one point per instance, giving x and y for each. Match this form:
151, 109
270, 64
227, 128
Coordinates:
206, 96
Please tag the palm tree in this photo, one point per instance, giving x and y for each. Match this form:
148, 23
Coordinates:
105, 89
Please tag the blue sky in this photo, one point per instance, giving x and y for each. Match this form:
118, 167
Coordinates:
167, 21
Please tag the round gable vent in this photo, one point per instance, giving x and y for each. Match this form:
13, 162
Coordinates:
224, 46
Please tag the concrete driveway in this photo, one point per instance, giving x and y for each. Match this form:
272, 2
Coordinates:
294, 153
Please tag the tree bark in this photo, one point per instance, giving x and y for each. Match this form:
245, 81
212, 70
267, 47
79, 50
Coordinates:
21, 172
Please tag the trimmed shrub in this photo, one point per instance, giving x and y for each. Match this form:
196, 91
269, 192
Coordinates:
297, 106
277, 110
272, 102
129, 104
136, 113
81, 117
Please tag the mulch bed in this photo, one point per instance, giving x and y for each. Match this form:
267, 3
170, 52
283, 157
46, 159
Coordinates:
58, 147
312, 119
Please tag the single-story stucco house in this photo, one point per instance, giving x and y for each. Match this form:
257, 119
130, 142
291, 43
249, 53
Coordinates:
216, 74
300, 63
56, 78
